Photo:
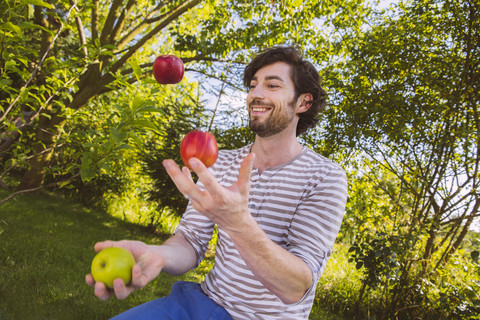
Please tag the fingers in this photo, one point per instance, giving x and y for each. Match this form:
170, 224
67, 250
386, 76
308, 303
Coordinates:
183, 179
121, 290
89, 280
188, 174
139, 280
185, 184
211, 183
101, 291
179, 177
205, 176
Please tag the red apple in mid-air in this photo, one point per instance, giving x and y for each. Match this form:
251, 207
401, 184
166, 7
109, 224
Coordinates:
201, 145
113, 263
168, 69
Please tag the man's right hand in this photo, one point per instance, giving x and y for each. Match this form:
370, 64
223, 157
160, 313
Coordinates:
149, 264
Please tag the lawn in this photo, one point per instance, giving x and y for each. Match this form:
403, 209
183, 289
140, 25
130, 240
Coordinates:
46, 250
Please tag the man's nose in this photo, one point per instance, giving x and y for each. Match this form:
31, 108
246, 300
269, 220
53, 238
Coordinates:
256, 93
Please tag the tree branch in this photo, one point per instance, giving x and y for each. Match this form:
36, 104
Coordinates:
81, 32
120, 22
50, 185
174, 15
94, 21
109, 22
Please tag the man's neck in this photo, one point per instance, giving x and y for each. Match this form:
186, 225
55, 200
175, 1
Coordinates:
275, 151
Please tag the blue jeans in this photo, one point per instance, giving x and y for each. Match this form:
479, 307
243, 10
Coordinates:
185, 301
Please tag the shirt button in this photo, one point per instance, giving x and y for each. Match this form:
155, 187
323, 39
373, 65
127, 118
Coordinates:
252, 206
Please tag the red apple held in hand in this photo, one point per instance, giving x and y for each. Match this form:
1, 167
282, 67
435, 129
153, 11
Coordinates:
113, 263
168, 69
201, 145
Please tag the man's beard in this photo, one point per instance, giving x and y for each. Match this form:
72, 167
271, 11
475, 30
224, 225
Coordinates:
274, 123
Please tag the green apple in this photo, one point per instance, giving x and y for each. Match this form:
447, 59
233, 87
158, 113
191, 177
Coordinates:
113, 263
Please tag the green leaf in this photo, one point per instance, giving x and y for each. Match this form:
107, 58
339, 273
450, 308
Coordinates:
124, 146
5, 83
31, 12
87, 169
107, 147
137, 103
138, 141
10, 64
38, 3
118, 136
136, 68
11, 27
66, 185
149, 109
10, 163
87, 173
474, 254
23, 93
144, 124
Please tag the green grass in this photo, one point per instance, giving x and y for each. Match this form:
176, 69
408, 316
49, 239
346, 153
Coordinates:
46, 250
338, 288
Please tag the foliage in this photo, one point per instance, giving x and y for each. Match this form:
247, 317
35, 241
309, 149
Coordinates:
104, 142
181, 119
107, 45
234, 138
406, 102
50, 133
389, 253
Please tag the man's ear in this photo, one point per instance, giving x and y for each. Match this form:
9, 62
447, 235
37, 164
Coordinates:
304, 102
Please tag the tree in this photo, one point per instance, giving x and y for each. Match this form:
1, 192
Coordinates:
409, 104
58, 56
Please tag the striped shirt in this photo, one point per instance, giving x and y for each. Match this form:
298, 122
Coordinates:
299, 205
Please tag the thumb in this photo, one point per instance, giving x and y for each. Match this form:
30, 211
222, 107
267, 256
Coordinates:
99, 246
243, 182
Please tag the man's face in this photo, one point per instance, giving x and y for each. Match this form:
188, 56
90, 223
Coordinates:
271, 100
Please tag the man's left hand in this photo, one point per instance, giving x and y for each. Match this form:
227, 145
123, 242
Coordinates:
226, 206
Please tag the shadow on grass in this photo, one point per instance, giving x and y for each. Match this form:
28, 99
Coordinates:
46, 250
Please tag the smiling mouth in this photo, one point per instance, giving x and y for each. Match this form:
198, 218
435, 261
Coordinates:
260, 109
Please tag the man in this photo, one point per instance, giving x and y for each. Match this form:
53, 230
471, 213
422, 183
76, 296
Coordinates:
278, 207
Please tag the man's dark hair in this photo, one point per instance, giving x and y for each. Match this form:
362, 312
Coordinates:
304, 76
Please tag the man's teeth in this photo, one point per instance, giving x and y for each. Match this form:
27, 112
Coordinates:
259, 109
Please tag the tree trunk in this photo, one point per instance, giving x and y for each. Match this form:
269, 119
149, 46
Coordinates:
47, 130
